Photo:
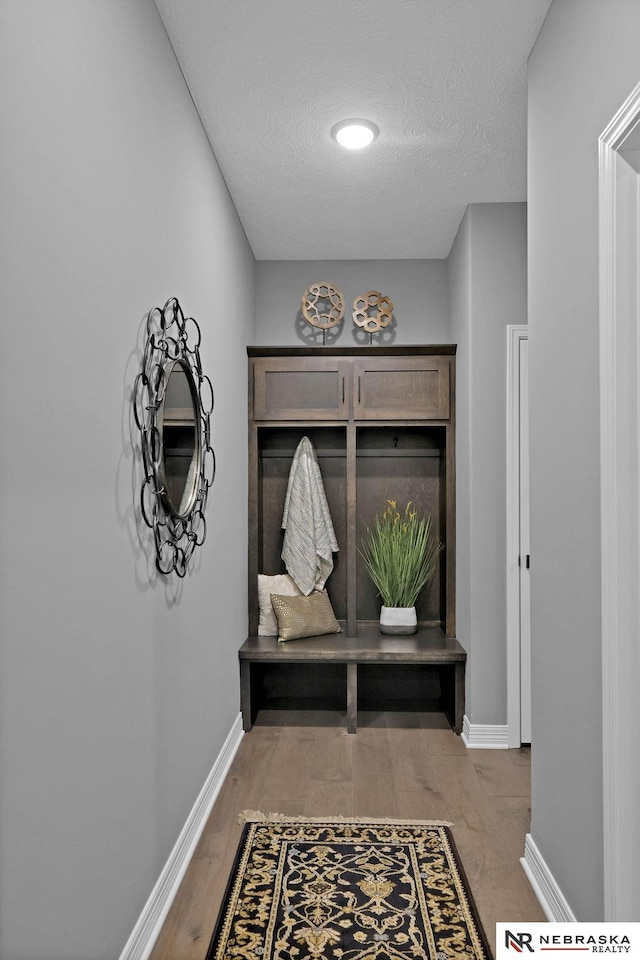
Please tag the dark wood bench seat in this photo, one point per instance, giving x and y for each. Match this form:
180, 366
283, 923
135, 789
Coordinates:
428, 646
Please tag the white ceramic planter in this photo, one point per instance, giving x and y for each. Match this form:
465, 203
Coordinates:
398, 621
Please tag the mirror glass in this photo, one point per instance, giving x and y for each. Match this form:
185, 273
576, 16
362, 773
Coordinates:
179, 423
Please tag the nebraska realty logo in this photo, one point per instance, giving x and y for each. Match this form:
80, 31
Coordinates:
564, 938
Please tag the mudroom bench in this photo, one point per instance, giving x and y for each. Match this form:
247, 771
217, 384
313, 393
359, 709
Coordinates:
427, 647
381, 419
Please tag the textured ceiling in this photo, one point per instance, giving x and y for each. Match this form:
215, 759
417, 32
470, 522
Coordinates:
445, 80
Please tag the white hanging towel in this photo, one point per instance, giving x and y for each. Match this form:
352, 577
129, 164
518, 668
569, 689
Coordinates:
309, 539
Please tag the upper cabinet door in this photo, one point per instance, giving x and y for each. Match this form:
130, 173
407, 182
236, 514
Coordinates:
301, 388
401, 388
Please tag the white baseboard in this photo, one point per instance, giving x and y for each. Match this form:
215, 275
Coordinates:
543, 883
145, 933
484, 736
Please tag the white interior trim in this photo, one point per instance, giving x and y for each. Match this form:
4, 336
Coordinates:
549, 894
145, 933
515, 334
484, 736
619, 381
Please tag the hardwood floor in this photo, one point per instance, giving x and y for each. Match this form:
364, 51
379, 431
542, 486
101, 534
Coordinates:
408, 765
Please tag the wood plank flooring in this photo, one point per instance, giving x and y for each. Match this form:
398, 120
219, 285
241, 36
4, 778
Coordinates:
410, 766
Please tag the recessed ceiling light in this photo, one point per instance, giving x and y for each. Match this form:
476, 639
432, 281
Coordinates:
354, 134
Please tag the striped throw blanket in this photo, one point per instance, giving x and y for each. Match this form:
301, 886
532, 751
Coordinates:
309, 539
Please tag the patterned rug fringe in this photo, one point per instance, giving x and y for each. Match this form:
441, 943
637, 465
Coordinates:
256, 816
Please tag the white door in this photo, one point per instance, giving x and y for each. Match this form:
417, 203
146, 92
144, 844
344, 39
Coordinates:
525, 548
518, 548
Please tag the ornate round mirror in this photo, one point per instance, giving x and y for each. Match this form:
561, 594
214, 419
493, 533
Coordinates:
172, 406
179, 426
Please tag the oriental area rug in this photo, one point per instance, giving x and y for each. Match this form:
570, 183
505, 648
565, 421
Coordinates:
345, 889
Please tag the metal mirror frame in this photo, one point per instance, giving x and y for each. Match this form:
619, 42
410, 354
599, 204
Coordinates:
171, 337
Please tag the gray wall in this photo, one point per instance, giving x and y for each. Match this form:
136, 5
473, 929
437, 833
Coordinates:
117, 689
459, 276
584, 65
418, 290
487, 292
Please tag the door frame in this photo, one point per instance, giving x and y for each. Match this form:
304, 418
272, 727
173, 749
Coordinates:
619, 475
516, 333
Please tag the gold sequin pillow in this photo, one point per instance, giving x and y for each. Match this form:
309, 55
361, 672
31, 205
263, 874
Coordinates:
299, 617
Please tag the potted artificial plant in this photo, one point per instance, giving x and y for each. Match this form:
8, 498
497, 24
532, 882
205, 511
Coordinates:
401, 556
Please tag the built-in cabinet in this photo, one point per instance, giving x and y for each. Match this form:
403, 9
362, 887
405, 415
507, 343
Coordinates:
402, 388
300, 388
382, 422
369, 387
